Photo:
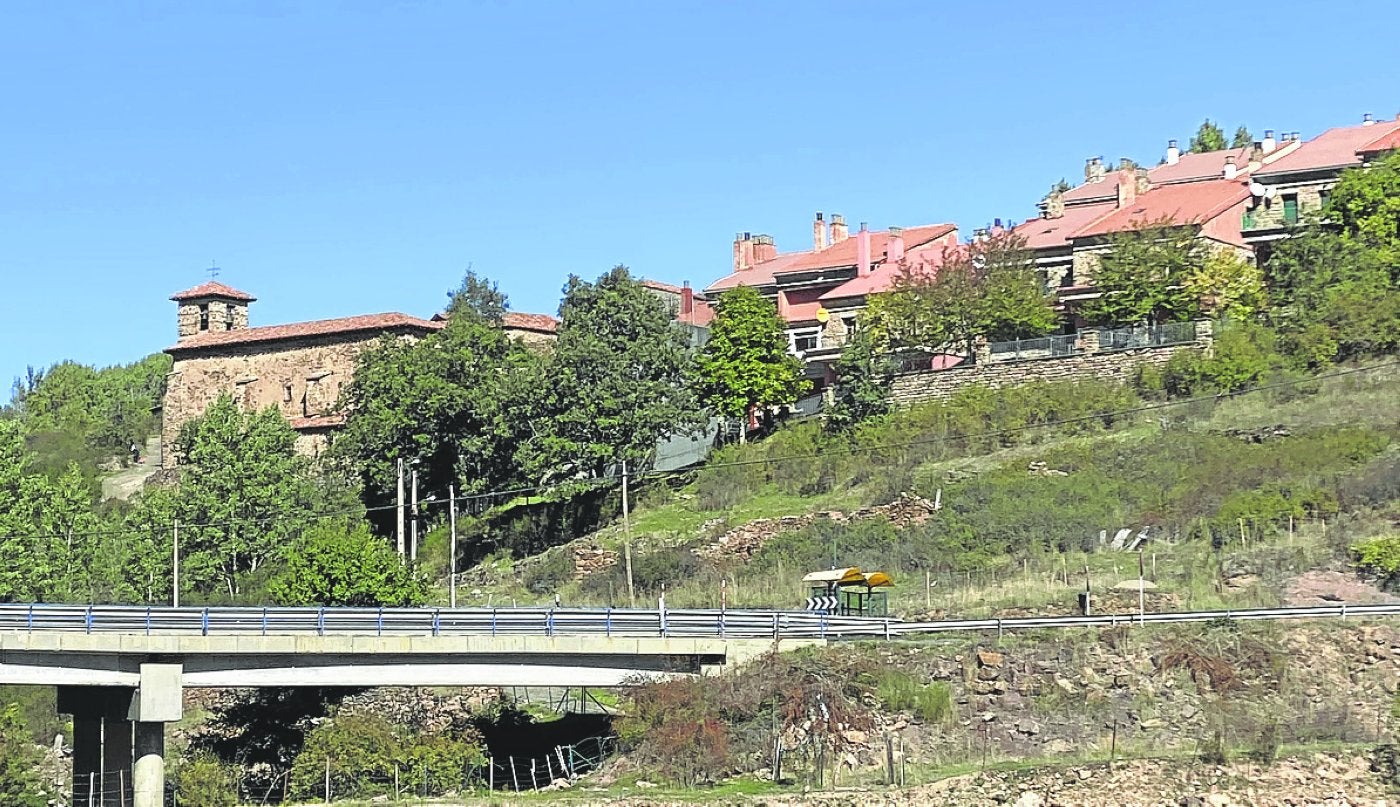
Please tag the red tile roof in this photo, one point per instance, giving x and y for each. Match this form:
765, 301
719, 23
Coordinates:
1051, 233
213, 289
539, 323
1105, 188
701, 315
366, 324
837, 256
1386, 142
1334, 148
924, 262
1193, 167
1187, 203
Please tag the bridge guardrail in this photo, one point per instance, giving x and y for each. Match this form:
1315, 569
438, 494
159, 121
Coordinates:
536, 621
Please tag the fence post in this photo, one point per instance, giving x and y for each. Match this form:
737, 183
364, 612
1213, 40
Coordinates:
204, 622
328, 778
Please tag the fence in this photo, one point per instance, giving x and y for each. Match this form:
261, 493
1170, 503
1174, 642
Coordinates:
1044, 347
1137, 337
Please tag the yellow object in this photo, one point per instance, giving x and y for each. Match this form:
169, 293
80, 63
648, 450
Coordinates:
822, 314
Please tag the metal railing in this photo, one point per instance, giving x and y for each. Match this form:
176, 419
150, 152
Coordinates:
688, 623
1043, 347
1134, 337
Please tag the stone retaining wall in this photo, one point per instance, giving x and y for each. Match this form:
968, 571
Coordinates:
1119, 365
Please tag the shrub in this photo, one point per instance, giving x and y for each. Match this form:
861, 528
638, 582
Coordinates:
206, 781
359, 750
1379, 556
897, 691
550, 571
1244, 355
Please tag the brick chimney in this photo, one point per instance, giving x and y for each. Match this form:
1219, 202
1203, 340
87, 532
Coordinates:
1231, 170
1173, 153
838, 228
819, 236
1094, 170
687, 301
764, 249
743, 252
1141, 180
894, 245
863, 250
1054, 205
1127, 187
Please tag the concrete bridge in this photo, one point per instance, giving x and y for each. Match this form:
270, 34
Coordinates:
120, 670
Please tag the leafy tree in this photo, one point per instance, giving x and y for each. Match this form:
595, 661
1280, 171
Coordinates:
478, 296
1210, 137
106, 409
614, 383
20, 785
988, 288
864, 374
449, 402
336, 564
1335, 296
745, 365
1227, 284
1143, 276
244, 492
1242, 138
204, 780
1366, 203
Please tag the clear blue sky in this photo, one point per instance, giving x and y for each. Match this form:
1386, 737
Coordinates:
356, 157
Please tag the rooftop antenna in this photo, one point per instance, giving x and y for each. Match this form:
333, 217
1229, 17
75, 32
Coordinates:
213, 270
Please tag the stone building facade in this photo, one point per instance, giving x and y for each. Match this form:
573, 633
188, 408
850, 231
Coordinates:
299, 368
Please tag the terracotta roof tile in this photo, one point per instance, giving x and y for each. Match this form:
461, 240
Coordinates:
924, 262
539, 323
213, 289
1386, 142
837, 256
1334, 148
1187, 203
368, 323
1050, 233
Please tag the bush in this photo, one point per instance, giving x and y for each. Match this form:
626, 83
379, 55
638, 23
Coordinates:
550, 571
360, 750
1379, 556
899, 692
205, 781
1244, 355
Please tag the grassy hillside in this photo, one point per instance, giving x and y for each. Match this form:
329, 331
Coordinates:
1028, 479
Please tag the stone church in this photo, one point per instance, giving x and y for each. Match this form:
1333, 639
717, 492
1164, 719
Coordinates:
299, 368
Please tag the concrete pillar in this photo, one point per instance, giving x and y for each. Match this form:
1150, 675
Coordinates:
149, 771
101, 743
87, 756
116, 756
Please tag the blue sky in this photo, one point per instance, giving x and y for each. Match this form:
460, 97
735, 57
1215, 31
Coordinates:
348, 158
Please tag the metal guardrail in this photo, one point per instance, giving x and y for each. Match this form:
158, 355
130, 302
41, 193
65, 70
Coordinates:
1144, 336
1043, 347
686, 623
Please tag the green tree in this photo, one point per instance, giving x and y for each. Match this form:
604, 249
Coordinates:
1227, 284
614, 383
864, 374
337, 564
20, 785
1143, 276
988, 288
206, 781
1366, 203
244, 492
450, 402
1334, 296
1242, 138
745, 365
1210, 137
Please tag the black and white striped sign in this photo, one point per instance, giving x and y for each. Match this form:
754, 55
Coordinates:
821, 604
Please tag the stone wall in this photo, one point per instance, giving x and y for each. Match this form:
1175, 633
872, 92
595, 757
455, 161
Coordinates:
303, 378
1120, 365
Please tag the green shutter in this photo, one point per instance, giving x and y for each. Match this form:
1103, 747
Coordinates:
1290, 210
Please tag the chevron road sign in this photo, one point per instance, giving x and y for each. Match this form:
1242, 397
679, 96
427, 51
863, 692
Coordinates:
821, 603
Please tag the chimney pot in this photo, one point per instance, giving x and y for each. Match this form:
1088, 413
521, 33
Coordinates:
839, 232
1173, 153
1367, 119
1230, 169
820, 239
1269, 143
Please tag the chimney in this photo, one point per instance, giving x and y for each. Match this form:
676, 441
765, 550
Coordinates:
1368, 120
1054, 205
1094, 170
819, 236
743, 252
764, 249
1256, 154
894, 245
1230, 169
863, 250
687, 301
838, 228
1173, 153
1127, 187
1141, 181
1269, 143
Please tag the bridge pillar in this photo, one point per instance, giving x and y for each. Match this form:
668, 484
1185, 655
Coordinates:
101, 743
148, 773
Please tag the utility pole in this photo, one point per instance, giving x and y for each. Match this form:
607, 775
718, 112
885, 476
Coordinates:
627, 540
398, 510
413, 514
452, 553
175, 565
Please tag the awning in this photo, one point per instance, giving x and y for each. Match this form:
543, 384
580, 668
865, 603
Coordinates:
840, 577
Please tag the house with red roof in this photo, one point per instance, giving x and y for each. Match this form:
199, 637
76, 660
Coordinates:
818, 291
1289, 189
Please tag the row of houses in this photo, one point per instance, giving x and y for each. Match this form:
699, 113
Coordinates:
1240, 199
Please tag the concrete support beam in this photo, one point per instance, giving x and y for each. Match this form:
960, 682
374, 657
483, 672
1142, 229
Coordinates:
149, 770
102, 736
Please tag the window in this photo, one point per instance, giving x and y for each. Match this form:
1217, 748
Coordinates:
286, 393
1323, 197
1290, 208
228, 317
204, 316
805, 340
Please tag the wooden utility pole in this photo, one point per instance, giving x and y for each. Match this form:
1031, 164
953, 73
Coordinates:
398, 510
627, 540
452, 553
